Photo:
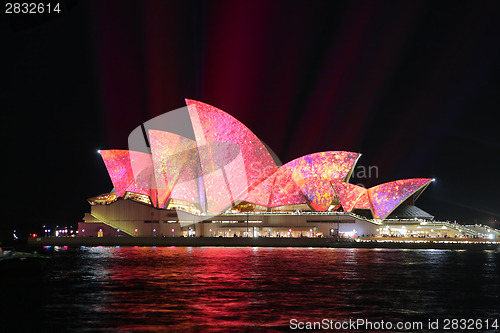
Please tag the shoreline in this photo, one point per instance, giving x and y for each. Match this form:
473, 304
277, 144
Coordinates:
369, 243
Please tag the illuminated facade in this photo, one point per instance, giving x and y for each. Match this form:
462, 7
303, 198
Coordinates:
219, 179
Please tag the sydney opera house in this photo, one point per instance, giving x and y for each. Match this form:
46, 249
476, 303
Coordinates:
197, 171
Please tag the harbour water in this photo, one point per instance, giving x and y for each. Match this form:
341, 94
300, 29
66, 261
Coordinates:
210, 289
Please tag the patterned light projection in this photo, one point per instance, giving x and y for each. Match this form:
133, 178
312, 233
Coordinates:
327, 164
261, 193
310, 175
348, 194
176, 167
363, 202
227, 173
285, 191
319, 192
213, 125
130, 171
386, 197
227, 163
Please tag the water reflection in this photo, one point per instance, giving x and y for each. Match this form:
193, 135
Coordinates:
180, 289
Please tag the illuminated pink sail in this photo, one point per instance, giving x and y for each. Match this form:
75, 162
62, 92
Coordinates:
233, 160
285, 190
319, 192
363, 202
261, 193
176, 167
310, 175
130, 171
349, 195
386, 197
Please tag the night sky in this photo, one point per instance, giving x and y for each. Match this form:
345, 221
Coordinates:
412, 85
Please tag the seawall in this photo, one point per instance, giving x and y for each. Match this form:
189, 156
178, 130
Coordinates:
261, 242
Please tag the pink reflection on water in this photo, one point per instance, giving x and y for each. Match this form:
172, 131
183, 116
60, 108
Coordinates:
219, 289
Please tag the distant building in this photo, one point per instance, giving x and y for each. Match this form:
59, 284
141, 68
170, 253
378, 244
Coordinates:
215, 178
